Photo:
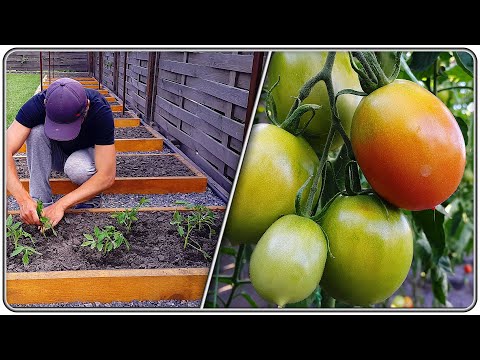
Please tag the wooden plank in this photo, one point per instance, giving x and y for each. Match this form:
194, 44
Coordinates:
143, 185
125, 145
204, 72
126, 122
225, 92
116, 108
106, 285
193, 94
85, 86
147, 209
235, 62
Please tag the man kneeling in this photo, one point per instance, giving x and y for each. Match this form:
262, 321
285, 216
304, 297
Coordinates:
67, 128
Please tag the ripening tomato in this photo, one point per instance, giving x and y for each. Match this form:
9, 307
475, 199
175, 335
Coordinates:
275, 167
295, 69
467, 268
408, 145
288, 261
372, 248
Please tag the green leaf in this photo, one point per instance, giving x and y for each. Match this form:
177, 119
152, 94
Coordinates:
9, 220
463, 128
96, 231
88, 237
181, 231
86, 243
439, 284
249, 299
422, 60
465, 61
431, 222
228, 251
99, 246
109, 247
17, 251
25, 258
445, 264
39, 207
424, 251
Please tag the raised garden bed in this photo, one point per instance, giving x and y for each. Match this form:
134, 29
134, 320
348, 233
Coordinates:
127, 119
139, 132
129, 166
140, 174
136, 138
156, 267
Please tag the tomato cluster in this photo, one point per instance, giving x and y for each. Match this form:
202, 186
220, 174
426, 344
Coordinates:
360, 250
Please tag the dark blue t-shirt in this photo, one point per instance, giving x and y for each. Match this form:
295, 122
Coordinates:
97, 129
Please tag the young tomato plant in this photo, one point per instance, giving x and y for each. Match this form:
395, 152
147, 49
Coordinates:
199, 217
129, 216
106, 239
46, 224
15, 233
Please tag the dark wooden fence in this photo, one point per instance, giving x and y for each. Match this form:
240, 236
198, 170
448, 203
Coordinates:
200, 100
20, 60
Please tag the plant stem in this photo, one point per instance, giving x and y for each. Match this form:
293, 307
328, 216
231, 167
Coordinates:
456, 88
236, 273
409, 72
435, 74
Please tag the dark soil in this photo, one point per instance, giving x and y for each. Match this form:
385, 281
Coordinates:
129, 166
154, 244
138, 132
127, 114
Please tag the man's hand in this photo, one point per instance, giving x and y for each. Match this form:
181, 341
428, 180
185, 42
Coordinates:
54, 213
28, 212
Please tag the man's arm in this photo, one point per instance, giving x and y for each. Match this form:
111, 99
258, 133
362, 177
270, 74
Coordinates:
17, 134
106, 164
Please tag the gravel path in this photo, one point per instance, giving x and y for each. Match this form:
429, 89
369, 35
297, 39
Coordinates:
118, 304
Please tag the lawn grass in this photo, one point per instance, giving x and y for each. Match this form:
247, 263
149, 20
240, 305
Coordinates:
20, 88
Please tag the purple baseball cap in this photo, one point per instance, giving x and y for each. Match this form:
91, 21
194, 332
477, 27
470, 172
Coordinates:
66, 104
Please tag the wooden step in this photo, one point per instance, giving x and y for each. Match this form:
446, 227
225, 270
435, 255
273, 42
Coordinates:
140, 185
126, 145
105, 285
117, 108
83, 82
85, 86
74, 78
127, 122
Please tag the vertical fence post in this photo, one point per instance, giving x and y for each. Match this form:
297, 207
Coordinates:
124, 81
115, 72
41, 72
100, 69
152, 62
49, 76
53, 65
252, 91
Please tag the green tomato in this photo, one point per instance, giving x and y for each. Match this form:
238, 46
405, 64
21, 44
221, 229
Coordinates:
372, 248
275, 167
288, 261
296, 68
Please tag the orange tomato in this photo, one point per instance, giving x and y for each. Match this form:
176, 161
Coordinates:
408, 145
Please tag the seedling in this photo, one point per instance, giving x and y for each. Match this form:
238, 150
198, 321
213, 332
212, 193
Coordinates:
27, 251
15, 232
199, 217
46, 224
106, 239
129, 216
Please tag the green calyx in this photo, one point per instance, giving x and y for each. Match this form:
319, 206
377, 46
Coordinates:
371, 74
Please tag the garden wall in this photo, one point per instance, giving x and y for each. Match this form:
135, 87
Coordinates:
20, 60
200, 100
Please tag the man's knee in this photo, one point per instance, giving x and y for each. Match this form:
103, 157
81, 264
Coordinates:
79, 168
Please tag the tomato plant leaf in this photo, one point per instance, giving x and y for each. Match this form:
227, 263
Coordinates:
88, 237
17, 251
249, 299
424, 251
439, 284
422, 60
228, 251
445, 264
465, 61
463, 128
25, 258
431, 222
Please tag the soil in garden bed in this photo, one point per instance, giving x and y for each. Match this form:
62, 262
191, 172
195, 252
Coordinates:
138, 132
120, 115
128, 166
154, 244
